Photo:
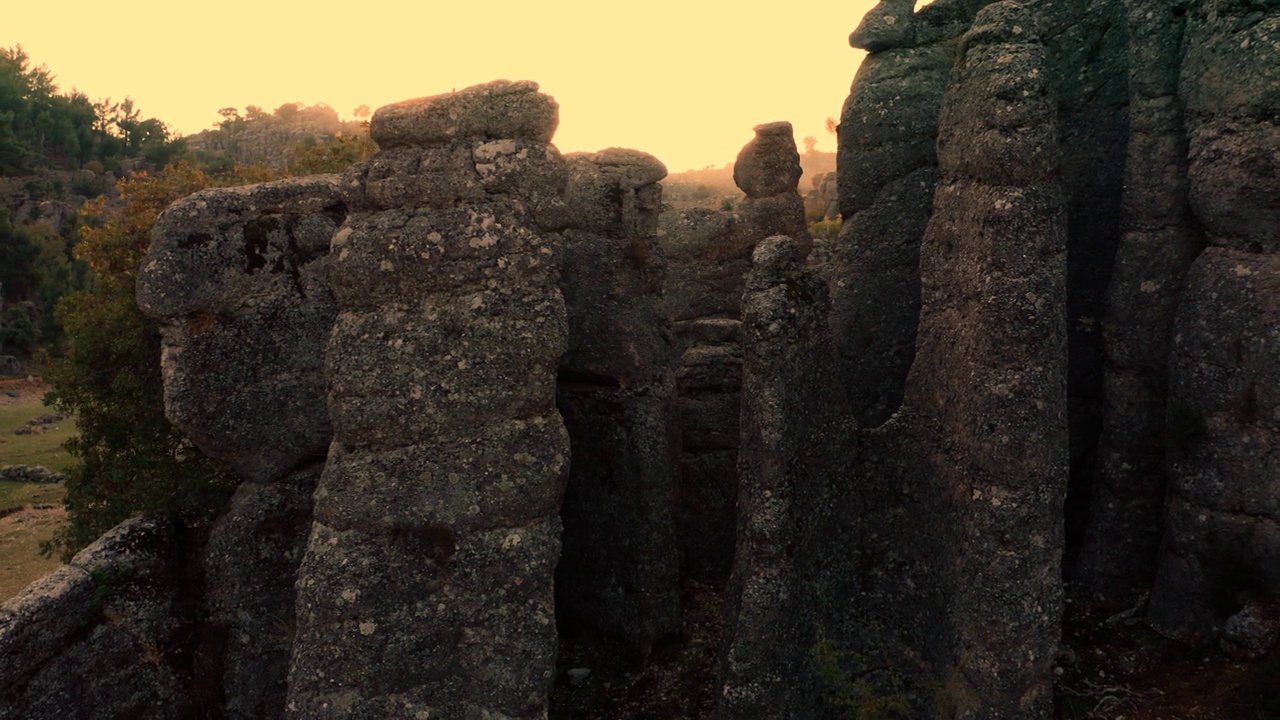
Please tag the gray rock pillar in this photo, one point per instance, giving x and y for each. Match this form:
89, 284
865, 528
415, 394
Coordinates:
426, 589
709, 256
619, 575
1159, 242
888, 169
238, 280
1221, 551
797, 442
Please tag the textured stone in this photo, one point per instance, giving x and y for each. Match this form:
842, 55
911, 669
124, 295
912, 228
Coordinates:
1126, 494
795, 445
237, 279
769, 164
978, 451
1221, 548
426, 586
619, 576
102, 637
499, 110
887, 25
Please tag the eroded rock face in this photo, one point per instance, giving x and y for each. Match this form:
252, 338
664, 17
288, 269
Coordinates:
427, 582
1160, 240
888, 171
977, 453
708, 257
237, 278
619, 575
797, 445
105, 636
1221, 549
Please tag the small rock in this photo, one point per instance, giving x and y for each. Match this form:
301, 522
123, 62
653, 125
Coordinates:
577, 676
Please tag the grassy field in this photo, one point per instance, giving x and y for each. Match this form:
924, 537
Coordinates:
29, 513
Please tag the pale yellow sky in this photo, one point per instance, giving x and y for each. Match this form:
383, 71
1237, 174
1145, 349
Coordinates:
684, 80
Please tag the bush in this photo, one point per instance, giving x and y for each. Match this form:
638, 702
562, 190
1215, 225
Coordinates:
128, 458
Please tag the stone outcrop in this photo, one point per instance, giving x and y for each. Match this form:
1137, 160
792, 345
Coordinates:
887, 161
1221, 550
1050, 323
619, 574
426, 588
93, 639
238, 280
709, 255
949, 532
1160, 240
797, 445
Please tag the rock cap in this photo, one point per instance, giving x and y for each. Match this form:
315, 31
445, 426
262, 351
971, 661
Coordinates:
494, 110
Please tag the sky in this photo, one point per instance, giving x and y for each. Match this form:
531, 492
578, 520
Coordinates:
685, 80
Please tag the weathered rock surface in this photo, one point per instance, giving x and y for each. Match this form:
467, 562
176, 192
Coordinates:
708, 257
106, 636
796, 446
1160, 240
888, 25
619, 574
888, 171
426, 587
978, 452
237, 279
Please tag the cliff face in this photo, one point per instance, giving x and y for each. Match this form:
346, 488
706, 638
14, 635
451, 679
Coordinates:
1045, 345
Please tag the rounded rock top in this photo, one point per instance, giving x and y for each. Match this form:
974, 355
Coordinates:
500, 109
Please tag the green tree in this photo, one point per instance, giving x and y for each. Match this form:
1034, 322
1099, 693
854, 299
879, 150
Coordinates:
329, 156
128, 458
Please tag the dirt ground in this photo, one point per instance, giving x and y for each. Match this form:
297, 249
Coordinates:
1114, 667
29, 514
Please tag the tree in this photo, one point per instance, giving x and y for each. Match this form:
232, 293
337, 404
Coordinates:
128, 458
361, 111
810, 144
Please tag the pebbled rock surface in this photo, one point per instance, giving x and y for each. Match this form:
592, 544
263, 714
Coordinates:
426, 587
796, 446
619, 574
708, 257
1221, 549
887, 159
106, 636
238, 280
1160, 239
964, 618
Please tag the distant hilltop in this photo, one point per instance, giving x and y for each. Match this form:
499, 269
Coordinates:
261, 137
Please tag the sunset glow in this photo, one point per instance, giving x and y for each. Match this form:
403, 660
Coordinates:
685, 81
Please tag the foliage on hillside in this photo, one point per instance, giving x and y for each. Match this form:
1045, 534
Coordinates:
41, 127
128, 457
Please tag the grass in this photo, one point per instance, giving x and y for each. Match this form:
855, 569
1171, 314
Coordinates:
37, 448
31, 513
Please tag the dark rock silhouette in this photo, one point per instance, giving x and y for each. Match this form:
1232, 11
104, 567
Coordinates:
1041, 358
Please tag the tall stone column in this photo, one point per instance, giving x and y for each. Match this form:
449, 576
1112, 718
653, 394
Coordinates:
426, 589
238, 280
1160, 240
1220, 560
619, 576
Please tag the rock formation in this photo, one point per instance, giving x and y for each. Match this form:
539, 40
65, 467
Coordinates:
709, 256
91, 638
1050, 324
238, 280
426, 587
977, 452
796, 446
1221, 551
619, 574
